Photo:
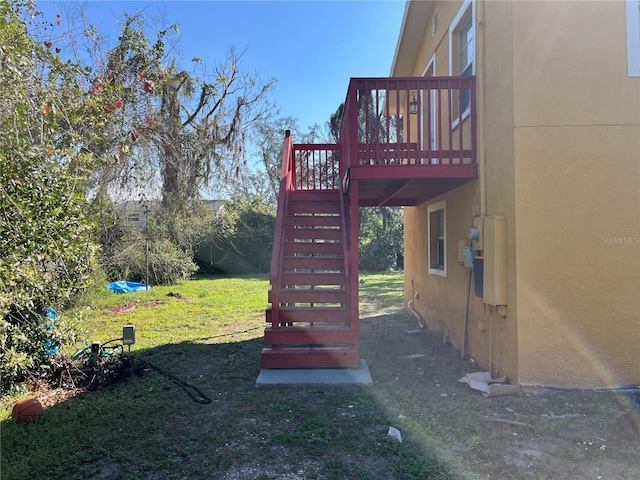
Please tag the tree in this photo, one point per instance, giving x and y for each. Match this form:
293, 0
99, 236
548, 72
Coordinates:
381, 243
244, 237
50, 126
381, 240
183, 128
335, 122
268, 140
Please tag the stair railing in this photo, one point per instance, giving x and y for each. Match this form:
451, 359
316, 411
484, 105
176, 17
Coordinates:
287, 184
346, 249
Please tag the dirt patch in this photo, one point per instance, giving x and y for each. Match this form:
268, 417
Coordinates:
538, 433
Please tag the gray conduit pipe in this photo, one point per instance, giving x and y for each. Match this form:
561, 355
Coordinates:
466, 317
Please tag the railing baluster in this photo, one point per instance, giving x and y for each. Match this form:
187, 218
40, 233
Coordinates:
421, 123
440, 126
387, 117
398, 125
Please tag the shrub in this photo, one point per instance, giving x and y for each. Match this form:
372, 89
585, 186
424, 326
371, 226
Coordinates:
143, 256
243, 238
381, 238
29, 343
48, 126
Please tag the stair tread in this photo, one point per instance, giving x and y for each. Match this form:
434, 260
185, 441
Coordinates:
310, 335
310, 325
310, 357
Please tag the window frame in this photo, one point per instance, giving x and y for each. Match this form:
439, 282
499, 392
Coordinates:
461, 20
432, 236
633, 38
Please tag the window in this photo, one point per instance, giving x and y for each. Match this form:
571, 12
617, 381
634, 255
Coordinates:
462, 51
437, 233
633, 37
466, 47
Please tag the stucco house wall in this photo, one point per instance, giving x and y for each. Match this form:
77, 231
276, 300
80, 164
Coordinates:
577, 184
560, 124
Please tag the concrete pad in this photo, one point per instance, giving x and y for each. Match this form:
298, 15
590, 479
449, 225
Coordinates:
315, 376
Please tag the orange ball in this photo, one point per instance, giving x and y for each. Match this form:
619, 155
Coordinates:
26, 410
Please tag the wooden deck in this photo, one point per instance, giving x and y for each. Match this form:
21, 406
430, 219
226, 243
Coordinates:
403, 141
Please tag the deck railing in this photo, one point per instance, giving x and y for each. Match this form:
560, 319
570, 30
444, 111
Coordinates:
316, 166
408, 121
287, 184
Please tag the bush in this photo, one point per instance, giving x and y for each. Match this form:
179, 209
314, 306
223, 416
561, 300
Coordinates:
381, 238
29, 343
143, 256
49, 125
377, 255
243, 239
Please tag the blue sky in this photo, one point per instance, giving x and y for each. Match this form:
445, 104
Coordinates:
312, 47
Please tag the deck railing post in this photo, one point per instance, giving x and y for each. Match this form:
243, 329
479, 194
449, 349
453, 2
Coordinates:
352, 121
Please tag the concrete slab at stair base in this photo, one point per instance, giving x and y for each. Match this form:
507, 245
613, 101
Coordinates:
315, 376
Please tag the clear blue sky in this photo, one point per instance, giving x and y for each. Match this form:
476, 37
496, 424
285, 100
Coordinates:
312, 47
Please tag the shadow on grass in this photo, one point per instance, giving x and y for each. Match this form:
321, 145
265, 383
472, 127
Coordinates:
146, 427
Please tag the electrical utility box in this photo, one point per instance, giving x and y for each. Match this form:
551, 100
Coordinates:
128, 335
494, 239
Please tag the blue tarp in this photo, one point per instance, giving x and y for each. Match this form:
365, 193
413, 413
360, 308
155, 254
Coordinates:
124, 286
51, 315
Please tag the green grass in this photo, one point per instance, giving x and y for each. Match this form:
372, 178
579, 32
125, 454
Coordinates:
147, 427
384, 290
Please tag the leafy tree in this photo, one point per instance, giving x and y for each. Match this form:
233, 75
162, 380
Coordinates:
244, 237
268, 140
334, 123
381, 243
147, 255
49, 125
181, 128
381, 238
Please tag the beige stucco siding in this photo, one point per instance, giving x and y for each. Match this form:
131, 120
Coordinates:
561, 126
441, 301
497, 117
438, 43
577, 184
578, 269
492, 340
571, 65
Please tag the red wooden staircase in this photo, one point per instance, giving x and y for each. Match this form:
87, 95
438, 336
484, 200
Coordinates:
310, 312
402, 141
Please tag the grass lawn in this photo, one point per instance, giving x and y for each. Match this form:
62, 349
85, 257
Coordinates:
210, 335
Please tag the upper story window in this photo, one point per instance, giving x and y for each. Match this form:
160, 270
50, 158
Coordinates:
466, 49
462, 52
633, 37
